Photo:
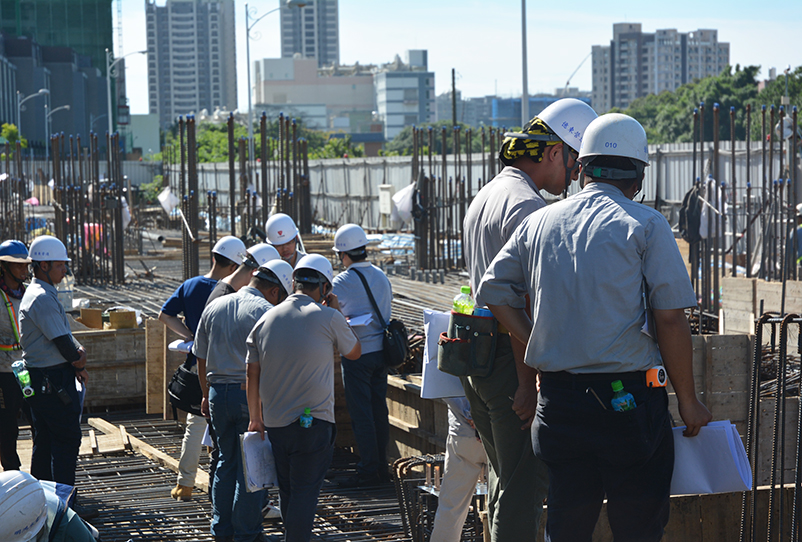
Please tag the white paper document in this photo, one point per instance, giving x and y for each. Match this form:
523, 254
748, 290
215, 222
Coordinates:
714, 461
361, 320
258, 462
436, 384
180, 345
207, 437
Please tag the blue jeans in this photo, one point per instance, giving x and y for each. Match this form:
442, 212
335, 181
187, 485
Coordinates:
365, 381
592, 451
57, 437
234, 511
302, 458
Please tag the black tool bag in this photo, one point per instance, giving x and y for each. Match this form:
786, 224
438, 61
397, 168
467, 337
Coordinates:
396, 338
468, 348
185, 391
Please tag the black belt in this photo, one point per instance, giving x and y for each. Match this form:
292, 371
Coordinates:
564, 379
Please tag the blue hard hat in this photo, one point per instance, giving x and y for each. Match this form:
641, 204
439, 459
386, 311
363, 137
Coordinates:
14, 251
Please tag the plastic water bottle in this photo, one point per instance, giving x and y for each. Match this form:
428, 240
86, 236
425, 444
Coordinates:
622, 400
306, 419
65, 289
463, 302
23, 377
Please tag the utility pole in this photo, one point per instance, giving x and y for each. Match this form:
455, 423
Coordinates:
453, 98
525, 93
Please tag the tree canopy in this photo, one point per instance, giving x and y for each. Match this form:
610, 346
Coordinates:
668, 117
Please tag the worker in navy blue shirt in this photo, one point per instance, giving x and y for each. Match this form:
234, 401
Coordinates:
190, 299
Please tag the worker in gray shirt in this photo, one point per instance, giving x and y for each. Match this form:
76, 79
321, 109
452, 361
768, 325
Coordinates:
57, 365
220, 350
592, 265
541, 157
365, 379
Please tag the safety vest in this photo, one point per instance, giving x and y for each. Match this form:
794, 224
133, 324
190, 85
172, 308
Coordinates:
12, 316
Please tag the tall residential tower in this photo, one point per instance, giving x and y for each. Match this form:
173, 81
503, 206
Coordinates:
637, 63
313, 31
191, 57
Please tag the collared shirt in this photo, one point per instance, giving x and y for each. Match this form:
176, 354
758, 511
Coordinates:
42, 319
294, 345
354, 301
493, 215
224, 326
190, 299
584, 263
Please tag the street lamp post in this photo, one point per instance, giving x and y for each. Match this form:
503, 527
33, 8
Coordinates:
110, 66
248, 26
21, 100
49, 114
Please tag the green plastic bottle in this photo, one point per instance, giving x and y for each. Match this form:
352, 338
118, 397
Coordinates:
622, 400
463, 302
306, 419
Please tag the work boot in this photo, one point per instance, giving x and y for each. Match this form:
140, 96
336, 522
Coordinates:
181, 493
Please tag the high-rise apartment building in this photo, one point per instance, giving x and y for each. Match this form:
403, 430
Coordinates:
191, 57
636, 63
83, 25
405, 93
312, 30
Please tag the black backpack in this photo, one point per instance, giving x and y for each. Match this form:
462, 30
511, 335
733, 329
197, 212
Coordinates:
690, 214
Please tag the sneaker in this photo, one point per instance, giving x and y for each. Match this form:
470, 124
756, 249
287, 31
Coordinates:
361, 480
271, 511
181, 493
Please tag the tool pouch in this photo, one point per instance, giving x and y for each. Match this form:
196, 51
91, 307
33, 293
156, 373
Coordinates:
469, 346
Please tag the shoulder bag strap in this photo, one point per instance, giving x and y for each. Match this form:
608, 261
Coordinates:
370, 296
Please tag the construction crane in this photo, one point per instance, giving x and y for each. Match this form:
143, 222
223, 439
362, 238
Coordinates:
565, 90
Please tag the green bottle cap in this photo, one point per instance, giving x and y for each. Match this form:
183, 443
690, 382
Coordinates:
617, 386
307, 412
465, 290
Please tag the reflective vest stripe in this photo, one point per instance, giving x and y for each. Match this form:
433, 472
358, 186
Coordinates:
14, 326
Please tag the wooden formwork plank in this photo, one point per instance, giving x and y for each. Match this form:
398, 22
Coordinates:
154, 366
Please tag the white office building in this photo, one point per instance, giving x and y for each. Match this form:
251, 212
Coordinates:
191, 57
405, 93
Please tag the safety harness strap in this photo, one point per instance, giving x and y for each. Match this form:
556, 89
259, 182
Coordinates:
14, 326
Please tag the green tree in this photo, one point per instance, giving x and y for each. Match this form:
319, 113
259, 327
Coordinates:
337, 147
11, 134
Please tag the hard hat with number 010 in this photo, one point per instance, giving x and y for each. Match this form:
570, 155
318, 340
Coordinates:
318, 263
614, 134
280, 229
262, 253
568, 118
280, 269
230, 247
47, 248
349, 237
23, 507
14, 251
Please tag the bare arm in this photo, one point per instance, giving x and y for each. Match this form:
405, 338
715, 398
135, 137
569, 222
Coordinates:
674, 339
355, 352
204, 386
254, 370
176, 324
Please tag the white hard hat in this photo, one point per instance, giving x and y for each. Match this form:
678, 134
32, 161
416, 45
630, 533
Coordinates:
230, 247
282, 271
349, 237
23, 508
263, 253
47, 248
316, 262
280, 229
615, 134
569, 119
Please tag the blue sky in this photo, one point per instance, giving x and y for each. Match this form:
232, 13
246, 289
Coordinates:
481, 39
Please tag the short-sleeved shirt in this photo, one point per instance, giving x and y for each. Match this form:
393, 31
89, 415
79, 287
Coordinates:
224, 326
354, 301
42, 319
294, 345
587, 263
220, 289
493, 215
190, 299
